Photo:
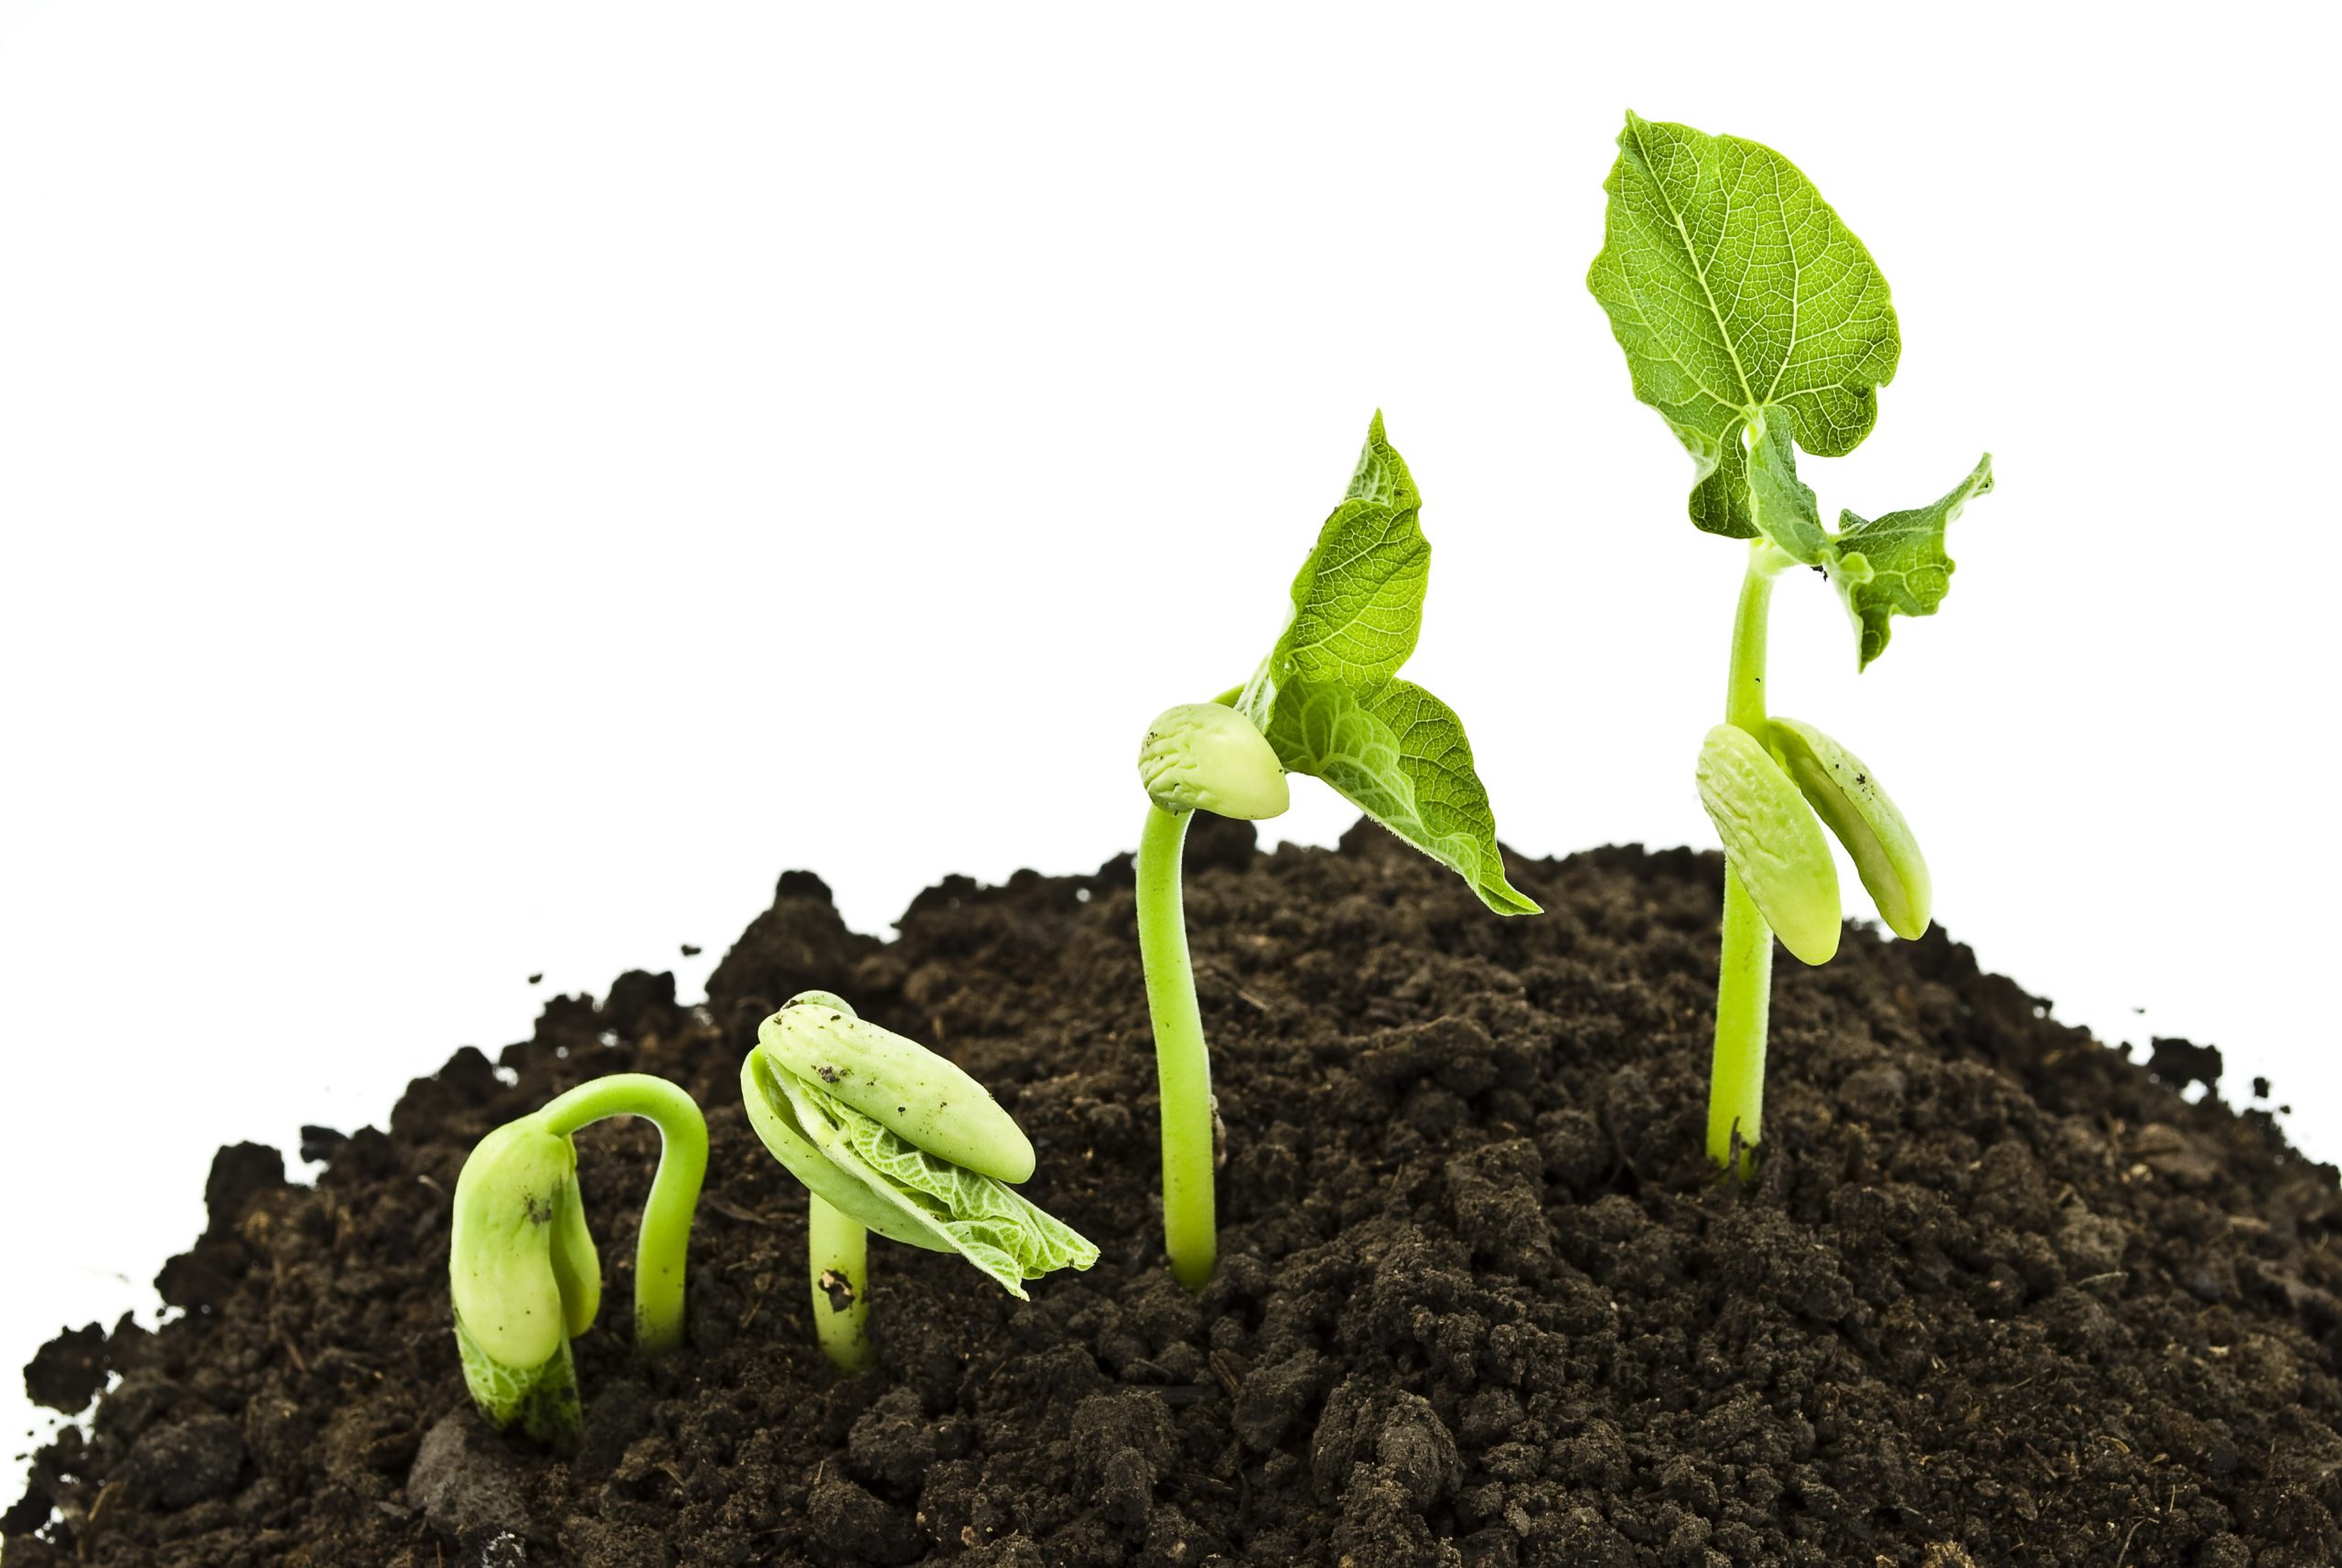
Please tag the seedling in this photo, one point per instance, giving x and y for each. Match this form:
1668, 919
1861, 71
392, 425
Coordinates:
521, 1265
1327, 701
1757, 324
888, 1136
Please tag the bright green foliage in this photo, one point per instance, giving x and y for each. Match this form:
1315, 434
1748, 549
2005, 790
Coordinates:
1328, 697
1896, 565
983, 1219
1735, 290
878, 1127
1757, 324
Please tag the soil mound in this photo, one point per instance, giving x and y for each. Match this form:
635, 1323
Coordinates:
1998, 1296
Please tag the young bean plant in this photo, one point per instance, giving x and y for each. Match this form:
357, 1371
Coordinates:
888, 1136
1326, 701
1757, 324
521, 1264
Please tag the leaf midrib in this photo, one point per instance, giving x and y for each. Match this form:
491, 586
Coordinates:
1691, 255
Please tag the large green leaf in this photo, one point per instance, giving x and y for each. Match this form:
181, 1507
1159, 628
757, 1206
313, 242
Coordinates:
1735, 289
1329, 699
1896, 565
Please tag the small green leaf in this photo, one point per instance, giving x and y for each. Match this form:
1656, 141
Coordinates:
987, 1222
541, 1400
1720, 502
1896, 565
1382, 475
1734, 289
1357, 601
1401, 757
1329, 699
1780, 502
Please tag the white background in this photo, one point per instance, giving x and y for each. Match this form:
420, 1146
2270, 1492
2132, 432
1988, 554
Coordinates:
485, 486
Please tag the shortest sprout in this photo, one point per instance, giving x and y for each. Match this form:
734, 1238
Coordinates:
888, 1136
1206, 756
1772, 841
521, 1266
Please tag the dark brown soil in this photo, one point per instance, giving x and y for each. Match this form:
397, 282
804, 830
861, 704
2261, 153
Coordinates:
1998, 1297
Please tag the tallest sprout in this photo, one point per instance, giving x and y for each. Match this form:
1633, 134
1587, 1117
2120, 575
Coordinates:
1327, 701
1757, 324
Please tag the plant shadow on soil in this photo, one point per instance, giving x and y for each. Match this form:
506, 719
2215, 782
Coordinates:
1997, 1296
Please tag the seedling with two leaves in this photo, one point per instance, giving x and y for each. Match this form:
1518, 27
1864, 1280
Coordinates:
1327, 701
1757, 324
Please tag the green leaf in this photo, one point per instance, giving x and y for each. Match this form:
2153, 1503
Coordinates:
1382, 474
541, 1400
1329, 699
985, 1221
1896, 565
1720, 502
1781, 503
1734, 289
1401, 757
1357, 601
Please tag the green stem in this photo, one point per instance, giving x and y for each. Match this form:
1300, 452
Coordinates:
837, 1253
661, 1249
1182, 1064
1744, 976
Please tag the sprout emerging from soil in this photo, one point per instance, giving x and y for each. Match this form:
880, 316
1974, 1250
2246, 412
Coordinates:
1327, 700
1755, 322
888, 1136
521, 1265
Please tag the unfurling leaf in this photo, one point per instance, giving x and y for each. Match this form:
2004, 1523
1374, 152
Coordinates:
1781, 504
1896, 565
1330, 700
1735, 289
985, 1221
542, 1400
840, 1102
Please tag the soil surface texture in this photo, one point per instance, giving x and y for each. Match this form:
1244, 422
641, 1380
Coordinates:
1997, 1295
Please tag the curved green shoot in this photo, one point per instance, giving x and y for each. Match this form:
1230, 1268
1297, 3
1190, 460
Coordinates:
521, 1266
1757, 324
888, 1136
1326, 702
